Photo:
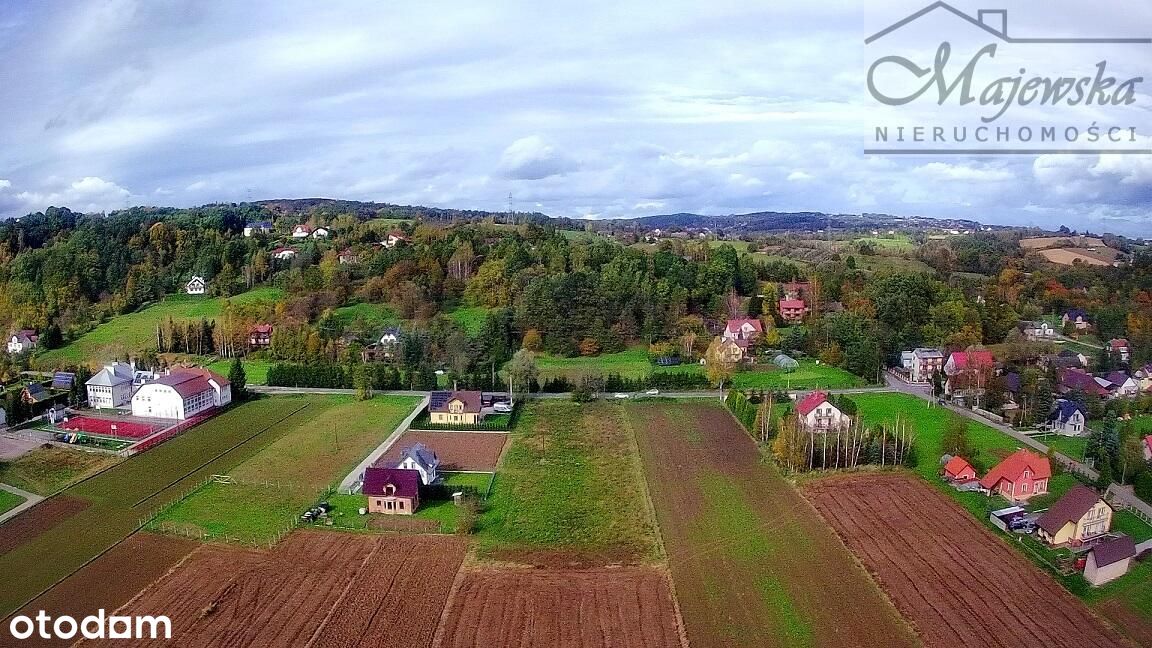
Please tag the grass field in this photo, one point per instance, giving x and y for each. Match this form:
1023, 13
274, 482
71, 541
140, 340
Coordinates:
123, 496
471, 319
632, 363
898, 242
1069, 446
134, 332
311, 455
808, 375
46, 470
478, 480
367, 318
752, 563
570, 482
256, 371
9, 501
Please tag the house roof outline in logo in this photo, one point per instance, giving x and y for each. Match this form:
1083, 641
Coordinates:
986, 16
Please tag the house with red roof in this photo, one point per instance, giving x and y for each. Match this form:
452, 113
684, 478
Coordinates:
181, 394
392, 491
793, 310
260, 336
302, 231
816, 413
1022, 475
744, 328
283, 254
968, 373
958, 470
1121, 349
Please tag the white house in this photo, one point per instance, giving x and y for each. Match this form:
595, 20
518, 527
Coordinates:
259, 227
925, 364
320, 232
111, 386
390, 337
420, 458
301, 231
818, 414
22, 341
181, 394
283, 254
1038, 330
393, 239
1067, 418
195, 286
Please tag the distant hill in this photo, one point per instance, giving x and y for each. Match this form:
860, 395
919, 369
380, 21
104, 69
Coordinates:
789, 221
365, 210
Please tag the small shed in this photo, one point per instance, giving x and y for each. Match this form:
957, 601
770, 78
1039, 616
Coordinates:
1109, 560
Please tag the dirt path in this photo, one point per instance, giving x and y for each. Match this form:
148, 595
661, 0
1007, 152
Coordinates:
752, 563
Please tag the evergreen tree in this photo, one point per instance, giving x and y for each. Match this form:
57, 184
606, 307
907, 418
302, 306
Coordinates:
239, 379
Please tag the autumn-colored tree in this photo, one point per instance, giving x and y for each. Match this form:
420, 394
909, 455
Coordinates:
589, 347
532, 340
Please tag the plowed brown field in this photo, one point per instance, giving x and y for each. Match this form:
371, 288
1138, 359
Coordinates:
457, 450
313, 589
629, 607
751, 561
947, 573
36, 520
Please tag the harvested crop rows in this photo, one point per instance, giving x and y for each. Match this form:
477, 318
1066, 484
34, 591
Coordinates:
314, 589
457, 450
752, 563
948, 574
628, 607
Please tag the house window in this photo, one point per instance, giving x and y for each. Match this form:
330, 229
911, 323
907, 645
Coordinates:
1024, 487
401, 505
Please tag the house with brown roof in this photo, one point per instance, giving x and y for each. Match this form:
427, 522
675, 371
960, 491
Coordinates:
392, 491
1019, 477
260, 336
1079, 516
1109, 560
456, 408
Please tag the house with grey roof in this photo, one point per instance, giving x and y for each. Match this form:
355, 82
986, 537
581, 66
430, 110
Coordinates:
111, 387
422, 459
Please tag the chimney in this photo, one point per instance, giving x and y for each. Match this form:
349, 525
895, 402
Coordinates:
994, 19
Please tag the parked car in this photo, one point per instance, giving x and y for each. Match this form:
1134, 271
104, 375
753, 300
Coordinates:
621, 395
502, 407
653, 392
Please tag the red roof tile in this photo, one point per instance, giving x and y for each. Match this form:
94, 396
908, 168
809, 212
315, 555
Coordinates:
1014, 466
811, 402
791, 303
734, 325
966, 359
956, 466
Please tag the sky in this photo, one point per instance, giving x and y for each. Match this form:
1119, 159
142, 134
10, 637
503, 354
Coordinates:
597, 109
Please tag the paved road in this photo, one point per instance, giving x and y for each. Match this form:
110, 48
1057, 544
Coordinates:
925, 393
30, 500
352, 480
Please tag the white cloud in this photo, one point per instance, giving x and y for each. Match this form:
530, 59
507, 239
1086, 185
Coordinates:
88, 194
531, 158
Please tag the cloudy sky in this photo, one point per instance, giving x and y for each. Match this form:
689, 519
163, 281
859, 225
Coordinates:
602, 108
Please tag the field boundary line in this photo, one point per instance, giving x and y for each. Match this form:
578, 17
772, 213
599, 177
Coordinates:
343, 594
457, 583
222, 453
664, 564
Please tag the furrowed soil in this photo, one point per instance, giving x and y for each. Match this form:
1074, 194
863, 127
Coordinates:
752, 563
314, 589
627, 607
110, 581
456, 450
949, 574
